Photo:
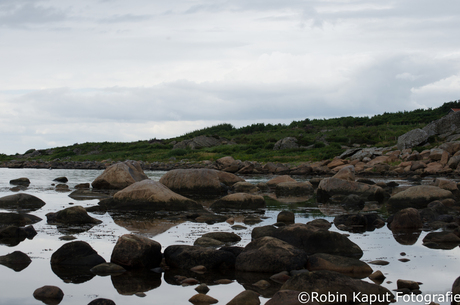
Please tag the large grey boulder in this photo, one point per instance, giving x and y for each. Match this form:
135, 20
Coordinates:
418, 197
286, 143
329, 187
444, 125
412, 138
199, 182
119, 176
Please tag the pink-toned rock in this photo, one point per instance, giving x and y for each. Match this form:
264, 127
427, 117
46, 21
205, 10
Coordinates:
433, 168
284, 178
444, 158
347, 173
378, 160
446, 184
335, 163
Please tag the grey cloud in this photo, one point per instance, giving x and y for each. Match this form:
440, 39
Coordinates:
126, 18
27, 13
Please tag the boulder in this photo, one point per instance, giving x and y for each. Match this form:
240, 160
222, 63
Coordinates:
239, 201
286, 217
20, 181
186, 257
49, 294
441, 240
444, 125
86, 194
417, 197
446, 184
323, 282
200, 142
61, 179
73, 215
21, 201
17, 260
412, 138
119, 176
286, 143
202, 299
76, 253
346, 265
247, 297
329, 187
136, 252
269, 254
245, 187
199, 182
294, 189
224, 162
105, 269
406, 219
346, 173
101, 301
226, 237
311, 239
272, 183
149, 195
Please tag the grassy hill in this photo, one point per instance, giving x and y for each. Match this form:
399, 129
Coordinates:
326, 138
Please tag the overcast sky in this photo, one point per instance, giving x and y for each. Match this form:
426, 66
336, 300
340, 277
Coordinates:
113, 70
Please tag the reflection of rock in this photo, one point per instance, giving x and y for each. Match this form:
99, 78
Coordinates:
135, 252
359, 222
406, 237
73, 274
132, 282
21, 201
105, 269
16, 219
13, 235
83, 194
406, 219
143, 223
208, 278
441, 240
119, 176
17, 260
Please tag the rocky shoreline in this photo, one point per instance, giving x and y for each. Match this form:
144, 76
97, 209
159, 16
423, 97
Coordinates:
443, 160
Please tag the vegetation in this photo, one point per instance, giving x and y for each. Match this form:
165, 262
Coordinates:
324, 138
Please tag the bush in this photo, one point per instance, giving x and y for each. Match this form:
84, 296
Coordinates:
177, 152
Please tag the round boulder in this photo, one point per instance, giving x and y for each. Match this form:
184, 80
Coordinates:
72, 215
149, 195
239, 201
20, 181
135, 252
417, 197
49, 294
76, 253
21, 201
119, 176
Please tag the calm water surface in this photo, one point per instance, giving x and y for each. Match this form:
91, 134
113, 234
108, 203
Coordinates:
436, 269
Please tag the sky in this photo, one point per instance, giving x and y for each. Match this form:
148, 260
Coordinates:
113, 70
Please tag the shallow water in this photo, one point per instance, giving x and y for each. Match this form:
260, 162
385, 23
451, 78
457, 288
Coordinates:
436, 269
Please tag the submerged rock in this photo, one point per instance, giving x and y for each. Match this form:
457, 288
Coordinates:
119, 176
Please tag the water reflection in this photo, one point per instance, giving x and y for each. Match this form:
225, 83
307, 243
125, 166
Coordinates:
132, 282
406, 237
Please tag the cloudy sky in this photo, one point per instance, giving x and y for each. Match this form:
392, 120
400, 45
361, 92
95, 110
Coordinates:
113, 70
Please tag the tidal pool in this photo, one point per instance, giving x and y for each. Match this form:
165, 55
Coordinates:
436, 269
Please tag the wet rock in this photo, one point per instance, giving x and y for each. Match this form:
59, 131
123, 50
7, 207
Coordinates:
280, 277
61, 179
226, 237
21, 201
294, 189
320, 224
202, 299
405, 219
377, 277
76, 253
199, 269
263, 284
186, 257
251, 220
311, 240
358, 222
149, 195
199, 182
135, 252
345, 265
286, 217
239, 201
247, 297
72, 215
50, 295
119, 176
323, 282
20, 181
329, 187
263, 187
105, 269
101, 301
411, 285
379, 262
272, 183
62, 188
245, 187
82, 186
233, 249
353, 202
268, 254
417, 197
17, 260
208, 242
202, 288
